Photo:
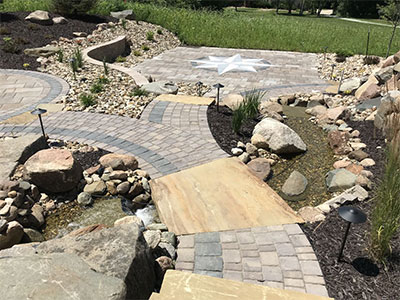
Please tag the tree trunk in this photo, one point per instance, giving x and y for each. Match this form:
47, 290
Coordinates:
302, 7
391, 38
319, 8
278, 2
290, 4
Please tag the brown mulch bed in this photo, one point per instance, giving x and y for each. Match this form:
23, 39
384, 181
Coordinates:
28, 35
220, 124
357, 277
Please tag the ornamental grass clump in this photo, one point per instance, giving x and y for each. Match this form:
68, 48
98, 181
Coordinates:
87, 100
246, 110
385, 219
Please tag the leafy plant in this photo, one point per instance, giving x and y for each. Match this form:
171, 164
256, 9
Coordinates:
145, 48
137, 53
371, 60
60, 55
105, 67
78, 57
150, 36
33, 27
87, 100
9, 45
74, 66
103, 80
137, 92
385, 219
120, 59
238, 117
73, 7
96, 88
123, 23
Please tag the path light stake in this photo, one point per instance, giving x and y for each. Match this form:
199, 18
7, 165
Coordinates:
39, 112
333, 67
199, 84
340, 82
351, 215
218, 86
366, 50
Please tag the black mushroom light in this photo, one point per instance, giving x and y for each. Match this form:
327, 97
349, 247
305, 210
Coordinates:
39, 112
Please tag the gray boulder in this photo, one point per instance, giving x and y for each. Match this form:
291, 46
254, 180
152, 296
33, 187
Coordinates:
11, 236
280, 138
53, 170
120, 252
340, 179
39, 17
350, 85
84, 198
17, 151
161, 87
57, 276
45, 51
295, 185
124, 14
384, 74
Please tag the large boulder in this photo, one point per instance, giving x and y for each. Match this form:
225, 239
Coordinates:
161, 87
53, 170
349, 85
340, 179
232, 101
39, 17
386, 108
281, 138
55, 276
368, 90
11, 236
269, 106
119, 161
17, 151
295, 185
45, 51
119, 252
384, 74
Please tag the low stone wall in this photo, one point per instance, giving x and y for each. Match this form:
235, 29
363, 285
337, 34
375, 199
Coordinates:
110, 51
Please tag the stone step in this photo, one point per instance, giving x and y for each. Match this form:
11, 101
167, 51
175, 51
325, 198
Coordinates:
185, 99
184, 285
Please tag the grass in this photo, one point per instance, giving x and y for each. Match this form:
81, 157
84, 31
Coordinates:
96, 88
247, 109
120, 59
137, 92
253, 29
87, 100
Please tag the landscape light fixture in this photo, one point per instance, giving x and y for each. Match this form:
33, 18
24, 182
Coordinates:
218, 86
333, 67
325, 49
39, 112
351, 215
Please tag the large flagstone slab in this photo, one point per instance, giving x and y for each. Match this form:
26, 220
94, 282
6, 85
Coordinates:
220, 195
185, 99
184, 285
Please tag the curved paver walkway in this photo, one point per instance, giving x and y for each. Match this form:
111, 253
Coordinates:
290, 72
277, 256
22, 91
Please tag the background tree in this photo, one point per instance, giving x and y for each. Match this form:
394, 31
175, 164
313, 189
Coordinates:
391, 13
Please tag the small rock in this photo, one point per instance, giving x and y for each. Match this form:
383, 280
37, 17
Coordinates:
367, 162
165, 264
260, 167
39, 17
168, 237
358, 155
142, 199
259, 141
12, 194
355, 133
169, 248
24, 186
236, 151
123, 187
340, 179
244, 157
3, 195
325, 208
95, 188
367, 173
251, 149
129, 220
60, 20
357, 146
142, 173
31, 236
295, 185
111, 188
338, 141
119, 161
311, 214
12, 235
341, 164
85, 198
3, 225
146, 185
152, 237
36, 218
241, 145
355, 169
118, 175
157, 226
268, 106
135, 190
80, 34
364, 182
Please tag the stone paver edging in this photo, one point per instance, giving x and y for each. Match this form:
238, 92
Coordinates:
111, 50
277, 256
25, 90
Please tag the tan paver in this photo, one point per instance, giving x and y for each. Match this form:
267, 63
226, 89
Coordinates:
185, 99
221, 195
184, 285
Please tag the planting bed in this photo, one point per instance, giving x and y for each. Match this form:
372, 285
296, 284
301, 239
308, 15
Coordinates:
357, 277
29, 35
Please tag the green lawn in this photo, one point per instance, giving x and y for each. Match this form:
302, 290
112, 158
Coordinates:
252, 29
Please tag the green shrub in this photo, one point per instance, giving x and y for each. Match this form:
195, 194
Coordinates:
137, 53
120, 59
238, 117
145, 48
87, 100
137, 92
60, 55
73, 7
96, 88
123, 23
9, 45
78, 58
103, 80
251, 103
150, 36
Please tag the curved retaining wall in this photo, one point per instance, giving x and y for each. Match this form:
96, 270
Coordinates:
110, 51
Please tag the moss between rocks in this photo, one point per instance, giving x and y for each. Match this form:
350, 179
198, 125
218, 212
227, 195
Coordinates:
313, 164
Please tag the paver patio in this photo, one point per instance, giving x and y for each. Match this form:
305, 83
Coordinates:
291, 72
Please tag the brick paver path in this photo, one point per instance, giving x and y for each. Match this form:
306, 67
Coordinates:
291, 72
22, 91
277, 256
